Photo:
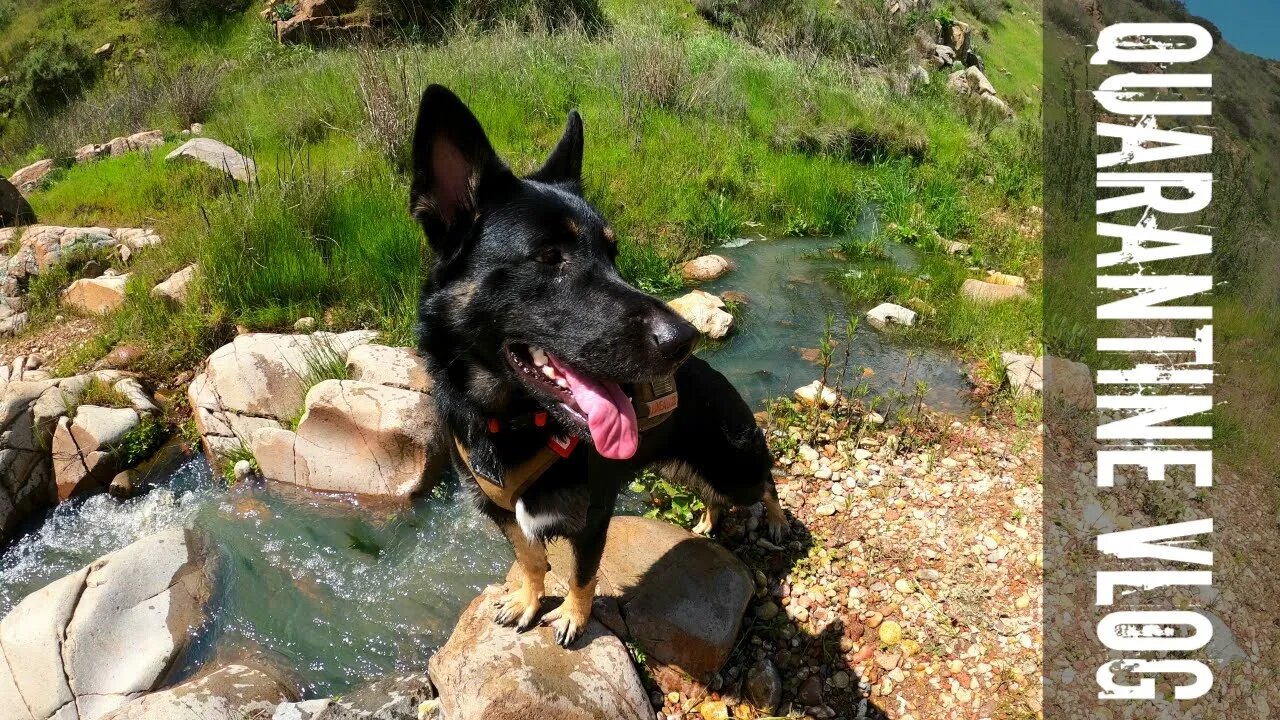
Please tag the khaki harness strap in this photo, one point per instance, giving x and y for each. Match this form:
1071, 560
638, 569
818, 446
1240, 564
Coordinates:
517, 478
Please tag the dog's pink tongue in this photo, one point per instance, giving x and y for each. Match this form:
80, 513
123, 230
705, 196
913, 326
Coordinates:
612, 419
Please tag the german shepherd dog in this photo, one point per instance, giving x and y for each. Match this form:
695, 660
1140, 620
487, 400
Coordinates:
524, 315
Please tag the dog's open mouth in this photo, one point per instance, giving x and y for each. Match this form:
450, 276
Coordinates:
601, 404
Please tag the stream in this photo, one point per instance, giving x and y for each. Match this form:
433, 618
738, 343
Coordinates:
344, 592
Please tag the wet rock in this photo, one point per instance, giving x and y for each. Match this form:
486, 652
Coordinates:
107, 633
96, 296
886, 314
14, 208
705, 311
985, 292
218, 156
490, 672
176, 287
125, 485
30, 177
393, 366
248, 689
355, 437
705, 268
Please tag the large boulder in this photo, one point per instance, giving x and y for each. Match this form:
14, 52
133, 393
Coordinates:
705, 311
490, 672
96, 296
218, 156
355, 437
325, 22
251, 688
677, 596
14, 208
382, 423
30, 177
108, 633
705, 268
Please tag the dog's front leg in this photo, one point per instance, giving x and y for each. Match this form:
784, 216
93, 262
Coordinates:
520, 607
571, 618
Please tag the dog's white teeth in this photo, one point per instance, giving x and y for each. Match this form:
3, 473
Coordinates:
549, 371
539, 356
562, 383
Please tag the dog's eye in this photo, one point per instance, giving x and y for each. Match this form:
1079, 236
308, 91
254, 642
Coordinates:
549, 256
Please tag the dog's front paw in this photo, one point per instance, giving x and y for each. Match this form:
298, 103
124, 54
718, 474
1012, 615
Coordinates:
568, 622
519, 608
775, 521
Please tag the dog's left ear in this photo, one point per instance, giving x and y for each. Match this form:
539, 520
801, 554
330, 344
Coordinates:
564, 164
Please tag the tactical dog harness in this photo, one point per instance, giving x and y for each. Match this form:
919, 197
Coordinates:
654, 402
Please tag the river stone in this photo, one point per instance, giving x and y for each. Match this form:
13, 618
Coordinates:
355, 437
174, 288
490, 672
106, 633
260, 373
705, 268
1025, 373
249, 689
681, 597
985, 292
886, 314
705, 311
30, 177
1068, 382
218, 156
96, 296
14, 208
394, 366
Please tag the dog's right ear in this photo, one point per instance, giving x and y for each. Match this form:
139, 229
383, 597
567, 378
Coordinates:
452, 163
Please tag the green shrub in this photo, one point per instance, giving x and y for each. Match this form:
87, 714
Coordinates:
190, 12
53, 70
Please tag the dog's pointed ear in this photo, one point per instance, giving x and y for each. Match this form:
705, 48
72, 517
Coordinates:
564, 164
452, 162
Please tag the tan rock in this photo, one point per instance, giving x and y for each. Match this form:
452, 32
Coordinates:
985, 292
29, 178
705, 311
175, 288
490, 672
96, 296
248, 689
705, 268
145, 140
356, 437
394, 366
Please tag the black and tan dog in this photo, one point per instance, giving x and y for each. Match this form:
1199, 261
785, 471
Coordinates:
557, 380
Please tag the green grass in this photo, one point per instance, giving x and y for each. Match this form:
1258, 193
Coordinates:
693, 135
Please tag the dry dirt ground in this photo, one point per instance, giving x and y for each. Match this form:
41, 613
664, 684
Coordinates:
911, 585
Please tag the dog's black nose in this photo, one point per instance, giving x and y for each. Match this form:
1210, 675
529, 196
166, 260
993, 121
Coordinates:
674, 337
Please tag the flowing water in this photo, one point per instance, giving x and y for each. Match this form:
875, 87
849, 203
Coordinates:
345, 592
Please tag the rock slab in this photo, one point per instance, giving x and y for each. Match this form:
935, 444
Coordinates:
490, 672
235, 691
218, 156
108, 633
886, 314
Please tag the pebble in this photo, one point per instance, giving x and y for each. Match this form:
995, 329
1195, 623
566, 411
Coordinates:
903, 586
825, 510
890, 632
862, 454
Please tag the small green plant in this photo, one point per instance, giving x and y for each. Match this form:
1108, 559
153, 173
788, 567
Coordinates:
103, 394
285, 11
233, 458
321, 361
139, 443
671, 502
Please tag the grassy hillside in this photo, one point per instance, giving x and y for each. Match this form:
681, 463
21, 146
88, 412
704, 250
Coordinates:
695, 134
